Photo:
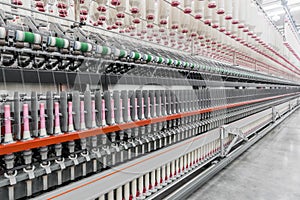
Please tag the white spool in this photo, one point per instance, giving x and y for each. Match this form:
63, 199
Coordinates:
121, 9
158, 178
187, 6
221, 7
228, 9
2, 33
199, 9
153, 181
175, 14
207, 13
147, 184
163, 12
150, 10
119, 195
215, 18
127, 191
163, 175
111, 195
133, 188
185, 21
235, 11
141, 187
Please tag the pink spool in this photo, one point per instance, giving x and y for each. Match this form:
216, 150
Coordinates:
70, 113
143, 106
148, 109
82, 119
93, 111
42, 116
112, 103
154, 105
121, 108
159, 106
135, 104
103, 110
56, 114
7, 119
25, 117
128, 108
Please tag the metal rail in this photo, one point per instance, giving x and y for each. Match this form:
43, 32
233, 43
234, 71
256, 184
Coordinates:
195, 183
120, 175
40, 142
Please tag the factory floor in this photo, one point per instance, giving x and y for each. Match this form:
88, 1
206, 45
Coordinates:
268, 170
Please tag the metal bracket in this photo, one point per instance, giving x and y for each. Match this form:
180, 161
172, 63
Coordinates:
275, 114
224, 132
12, 178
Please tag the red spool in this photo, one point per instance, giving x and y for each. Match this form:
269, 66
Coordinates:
150, 17
187, 11
62, 5
136, 21
115, 2
101, 8
198, 16
120, 15
134, 10
102, 18
220, 11
163, 22
212, 4
175, 3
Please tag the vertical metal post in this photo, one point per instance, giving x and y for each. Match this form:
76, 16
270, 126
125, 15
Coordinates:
222, 137
273, 114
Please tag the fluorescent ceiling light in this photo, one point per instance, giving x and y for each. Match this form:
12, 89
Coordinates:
291, 2
276, 18
271, 7
295, 9
279, 12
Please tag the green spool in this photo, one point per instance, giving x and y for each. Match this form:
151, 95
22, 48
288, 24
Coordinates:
84, 47
122, 54
148, 58
178, 63
59, 42
169, 61
28, 37
160, 60
135, 55
105, 50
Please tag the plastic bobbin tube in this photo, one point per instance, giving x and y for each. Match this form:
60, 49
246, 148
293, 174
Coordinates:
133, 188
26, 132
127, 191
163, 175
94, 125
8, 138
42, 132
178, 168
82, 118
112, 103
147, 184
70, 117
110, 195
57, 129
103, 113
140, 194
153, 182
168, 173
121, 111
158, 178
119, 193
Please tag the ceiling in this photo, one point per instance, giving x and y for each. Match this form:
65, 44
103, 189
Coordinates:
276, 12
